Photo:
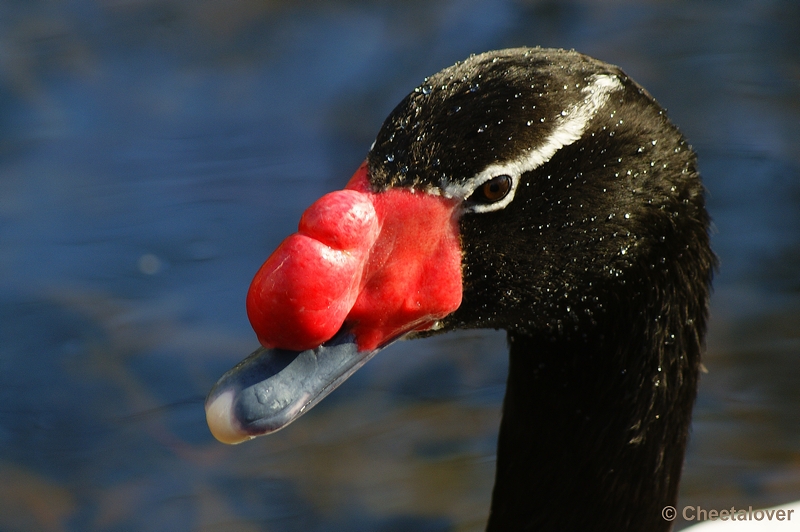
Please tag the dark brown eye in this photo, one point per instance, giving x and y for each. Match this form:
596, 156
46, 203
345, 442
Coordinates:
493, 190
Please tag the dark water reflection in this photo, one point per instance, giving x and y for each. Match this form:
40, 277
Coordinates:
152, 152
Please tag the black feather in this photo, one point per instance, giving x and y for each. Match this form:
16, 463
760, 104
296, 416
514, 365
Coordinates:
599, 269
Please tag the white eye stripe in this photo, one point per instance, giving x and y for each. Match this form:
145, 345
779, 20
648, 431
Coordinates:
472, 184
570, 128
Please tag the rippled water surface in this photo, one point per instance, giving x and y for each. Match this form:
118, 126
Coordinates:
153, 152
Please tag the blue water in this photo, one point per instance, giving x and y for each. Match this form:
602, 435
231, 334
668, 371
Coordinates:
153, 152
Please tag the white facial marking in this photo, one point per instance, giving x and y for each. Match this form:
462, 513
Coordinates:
570, 127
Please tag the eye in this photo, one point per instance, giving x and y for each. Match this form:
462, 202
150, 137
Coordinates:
493, 190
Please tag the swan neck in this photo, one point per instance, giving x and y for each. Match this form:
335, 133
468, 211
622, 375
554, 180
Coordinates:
593, 432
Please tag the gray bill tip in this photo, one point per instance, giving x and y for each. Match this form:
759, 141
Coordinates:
273, 387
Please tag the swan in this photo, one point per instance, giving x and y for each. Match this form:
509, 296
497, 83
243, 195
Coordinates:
539, 191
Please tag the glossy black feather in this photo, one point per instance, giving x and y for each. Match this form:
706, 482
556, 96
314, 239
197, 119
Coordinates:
599, 269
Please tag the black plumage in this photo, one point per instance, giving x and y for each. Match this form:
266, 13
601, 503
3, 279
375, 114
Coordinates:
599, 269
584, 235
